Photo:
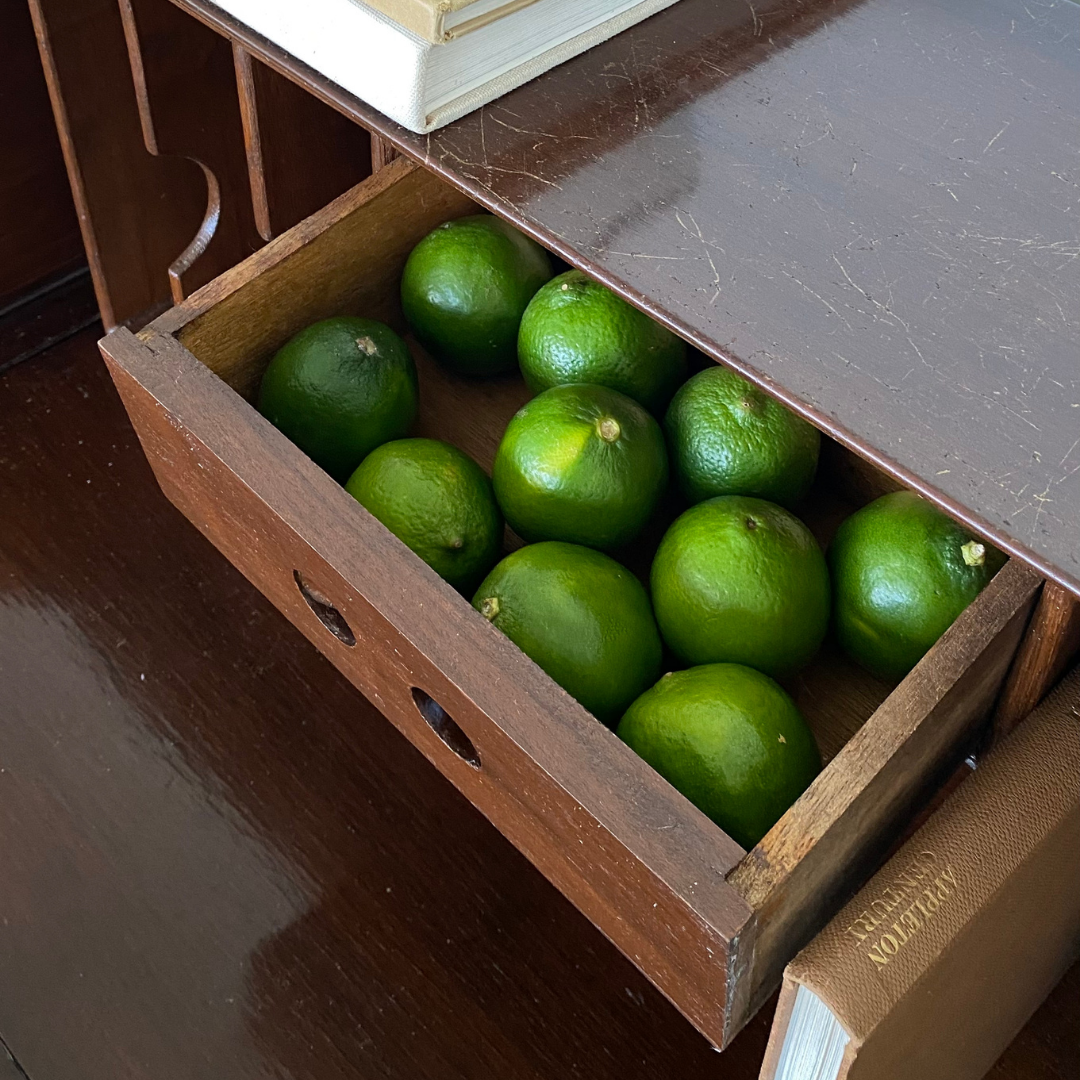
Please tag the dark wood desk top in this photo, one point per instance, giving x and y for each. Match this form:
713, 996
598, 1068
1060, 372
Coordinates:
872, 207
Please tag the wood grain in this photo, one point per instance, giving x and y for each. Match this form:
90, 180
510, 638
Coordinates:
636, 858
249, 116
382, 151
180, 767
1052, 642
346, 258
45, 317
825, 251
324, 268
301, 154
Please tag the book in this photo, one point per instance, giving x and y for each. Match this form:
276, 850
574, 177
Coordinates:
440, 20
423, 84
936, 964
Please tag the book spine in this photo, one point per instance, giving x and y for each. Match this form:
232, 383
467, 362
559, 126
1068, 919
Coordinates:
468, 25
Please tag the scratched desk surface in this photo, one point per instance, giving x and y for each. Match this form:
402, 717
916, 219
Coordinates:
872, 205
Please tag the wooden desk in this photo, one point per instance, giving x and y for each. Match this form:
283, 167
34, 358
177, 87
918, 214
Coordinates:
591, 177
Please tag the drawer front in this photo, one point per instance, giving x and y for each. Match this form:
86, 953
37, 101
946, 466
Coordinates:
710, 924
547, 770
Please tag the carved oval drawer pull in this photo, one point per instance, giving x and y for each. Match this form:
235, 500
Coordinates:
325, 612
446, 727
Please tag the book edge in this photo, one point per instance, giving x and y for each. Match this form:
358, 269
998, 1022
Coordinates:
785, 1005
538, 65
974, 792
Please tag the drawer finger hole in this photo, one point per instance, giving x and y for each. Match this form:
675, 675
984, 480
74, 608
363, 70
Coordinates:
325, 612
446, 727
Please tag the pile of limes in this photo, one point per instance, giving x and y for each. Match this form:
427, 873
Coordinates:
739, 592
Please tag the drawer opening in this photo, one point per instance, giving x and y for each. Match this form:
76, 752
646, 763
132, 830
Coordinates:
660, 880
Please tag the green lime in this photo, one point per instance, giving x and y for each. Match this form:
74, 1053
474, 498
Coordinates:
902, 571
340, 388
727, 437
580, 463
582, 617
741, 580
730, 740
435, 500
576, 331
464, 288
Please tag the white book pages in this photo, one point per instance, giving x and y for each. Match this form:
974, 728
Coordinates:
814, 1043
423, 86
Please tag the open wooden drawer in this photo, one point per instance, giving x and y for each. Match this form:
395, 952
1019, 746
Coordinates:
710, 924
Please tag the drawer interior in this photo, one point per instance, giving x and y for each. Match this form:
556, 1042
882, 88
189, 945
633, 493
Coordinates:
236, 341
884, 746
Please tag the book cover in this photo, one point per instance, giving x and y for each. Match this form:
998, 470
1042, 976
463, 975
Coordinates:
942, 957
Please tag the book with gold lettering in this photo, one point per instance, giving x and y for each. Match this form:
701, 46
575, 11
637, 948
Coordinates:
942, 957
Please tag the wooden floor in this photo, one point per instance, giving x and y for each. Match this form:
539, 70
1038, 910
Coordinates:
218, 861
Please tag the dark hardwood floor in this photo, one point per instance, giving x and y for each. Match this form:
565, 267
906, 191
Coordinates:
218, 860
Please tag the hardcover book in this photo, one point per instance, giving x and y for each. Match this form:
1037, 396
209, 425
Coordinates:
426, 62
940, 960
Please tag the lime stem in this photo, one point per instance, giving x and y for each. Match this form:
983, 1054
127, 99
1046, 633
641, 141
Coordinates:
609, 429
974, 553
489, 607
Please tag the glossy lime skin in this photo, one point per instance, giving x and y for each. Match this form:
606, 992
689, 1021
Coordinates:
741, 580
727, 437
580, 463
730, 740
465, 287
582, 617
438, 502
900, 579
340, 388
576, 331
